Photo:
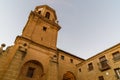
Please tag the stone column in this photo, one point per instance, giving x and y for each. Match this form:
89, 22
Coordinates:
53, 69
15, 65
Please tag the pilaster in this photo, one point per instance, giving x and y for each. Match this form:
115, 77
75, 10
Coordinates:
15, 65
53, 69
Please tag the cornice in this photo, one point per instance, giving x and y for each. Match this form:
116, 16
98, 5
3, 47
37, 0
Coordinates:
34, 43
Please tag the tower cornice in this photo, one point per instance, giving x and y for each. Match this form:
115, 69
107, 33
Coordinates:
46, 20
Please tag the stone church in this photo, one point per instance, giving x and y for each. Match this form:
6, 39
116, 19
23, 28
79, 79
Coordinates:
34, 55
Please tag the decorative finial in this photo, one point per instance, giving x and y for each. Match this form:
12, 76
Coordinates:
3, 45
1, 48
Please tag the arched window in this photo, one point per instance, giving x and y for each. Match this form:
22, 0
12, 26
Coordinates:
39, 12
47, 15
31, 70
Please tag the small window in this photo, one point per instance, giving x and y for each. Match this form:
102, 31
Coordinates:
116, 56
71, 60
30, 72
101, 78
90, 66
44, 28
103, 65
39, 12
47, 15
62, 57
79, 69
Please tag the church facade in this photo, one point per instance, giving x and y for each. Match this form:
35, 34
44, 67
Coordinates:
34, 55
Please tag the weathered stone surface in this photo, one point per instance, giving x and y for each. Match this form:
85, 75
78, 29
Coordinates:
35, 55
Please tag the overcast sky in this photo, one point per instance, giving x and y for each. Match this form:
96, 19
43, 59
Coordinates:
88, 26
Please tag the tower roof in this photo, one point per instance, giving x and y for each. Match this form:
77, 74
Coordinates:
47, 7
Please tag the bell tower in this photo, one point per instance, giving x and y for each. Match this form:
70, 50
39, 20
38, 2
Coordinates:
42, 27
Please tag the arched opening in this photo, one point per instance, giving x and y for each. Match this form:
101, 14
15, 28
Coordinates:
31, 70
39, 12
69, 76
47, 15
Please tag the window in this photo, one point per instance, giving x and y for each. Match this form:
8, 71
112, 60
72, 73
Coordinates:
71, 60
44, 28
62, 57
116, 56
79, 69
117, 72
47, 15
30, 72
101, 78
103, 63
39, 12
90, 66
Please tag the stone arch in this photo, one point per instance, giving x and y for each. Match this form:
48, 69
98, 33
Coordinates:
31, 70
69, 76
